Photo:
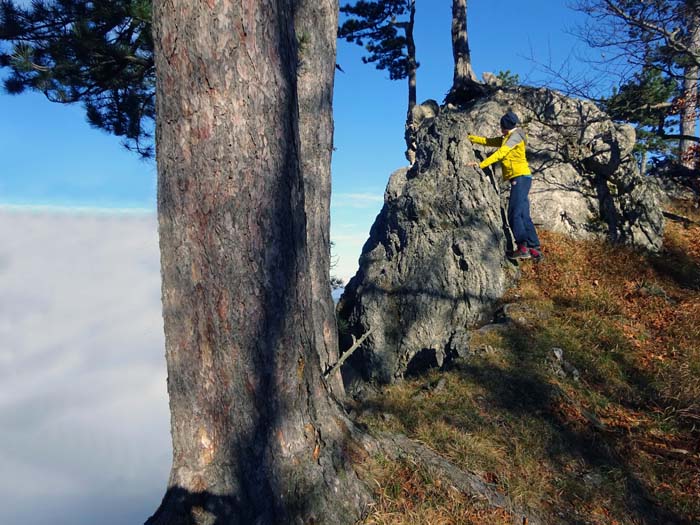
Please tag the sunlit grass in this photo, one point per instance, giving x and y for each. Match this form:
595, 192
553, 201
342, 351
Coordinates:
625, 430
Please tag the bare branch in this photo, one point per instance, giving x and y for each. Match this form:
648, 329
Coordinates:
671, 37
355, 345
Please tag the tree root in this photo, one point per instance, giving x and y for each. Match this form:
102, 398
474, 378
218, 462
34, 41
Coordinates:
398, 446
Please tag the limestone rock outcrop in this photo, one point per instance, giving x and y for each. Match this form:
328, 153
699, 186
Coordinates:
434, 266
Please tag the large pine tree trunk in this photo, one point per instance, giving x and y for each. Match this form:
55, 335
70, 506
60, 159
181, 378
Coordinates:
689, 110
463, 72
243, 186
411, 73
316, 25
464, 84
411, 58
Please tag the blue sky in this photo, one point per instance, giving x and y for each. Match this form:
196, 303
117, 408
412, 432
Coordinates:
49, 155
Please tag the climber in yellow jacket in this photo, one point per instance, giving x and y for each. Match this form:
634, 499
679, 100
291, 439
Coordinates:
511, 154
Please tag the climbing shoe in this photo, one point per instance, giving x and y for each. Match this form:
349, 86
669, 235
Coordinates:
536, 255
521, 253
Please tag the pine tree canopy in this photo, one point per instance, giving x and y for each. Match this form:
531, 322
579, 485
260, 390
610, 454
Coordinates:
644, 99
96, 53
375, 26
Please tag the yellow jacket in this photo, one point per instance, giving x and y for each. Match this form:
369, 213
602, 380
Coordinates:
511, 153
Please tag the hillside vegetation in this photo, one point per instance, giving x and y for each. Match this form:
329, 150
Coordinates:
604, 431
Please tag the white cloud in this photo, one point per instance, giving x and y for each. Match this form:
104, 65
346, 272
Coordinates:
351, 239
349, 232
84, 420
357, 200
346, 253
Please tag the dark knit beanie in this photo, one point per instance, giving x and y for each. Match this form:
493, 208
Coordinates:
509, 120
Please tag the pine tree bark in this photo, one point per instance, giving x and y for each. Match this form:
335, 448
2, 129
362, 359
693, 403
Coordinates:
463, 72
412, 65
689, 110
465, 86
315, 75
244, 131
411, 74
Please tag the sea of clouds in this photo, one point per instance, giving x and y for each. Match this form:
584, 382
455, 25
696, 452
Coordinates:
84, 420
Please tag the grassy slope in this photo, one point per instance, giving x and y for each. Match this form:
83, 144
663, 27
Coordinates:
620, 445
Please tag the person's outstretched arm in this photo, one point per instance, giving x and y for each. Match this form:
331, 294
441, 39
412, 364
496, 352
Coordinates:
494, 142
513, 140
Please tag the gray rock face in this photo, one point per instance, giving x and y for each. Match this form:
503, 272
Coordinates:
676, 183
434, 264
491, 79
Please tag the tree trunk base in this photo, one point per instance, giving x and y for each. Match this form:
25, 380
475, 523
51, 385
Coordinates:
329, 492
465, 92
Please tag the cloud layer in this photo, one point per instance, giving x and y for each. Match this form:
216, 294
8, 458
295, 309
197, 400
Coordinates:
84, 421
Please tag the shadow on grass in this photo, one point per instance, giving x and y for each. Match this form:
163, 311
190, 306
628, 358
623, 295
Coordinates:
520, 389
679, 267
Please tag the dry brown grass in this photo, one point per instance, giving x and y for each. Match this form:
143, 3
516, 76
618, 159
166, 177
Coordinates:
619, 446
406, 493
